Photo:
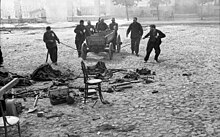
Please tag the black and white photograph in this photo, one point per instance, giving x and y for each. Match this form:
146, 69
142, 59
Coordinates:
109, 68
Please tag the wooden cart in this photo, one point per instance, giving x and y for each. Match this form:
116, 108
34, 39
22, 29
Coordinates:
100, 42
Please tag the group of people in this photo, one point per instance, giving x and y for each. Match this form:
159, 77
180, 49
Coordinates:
154, 41
82, 31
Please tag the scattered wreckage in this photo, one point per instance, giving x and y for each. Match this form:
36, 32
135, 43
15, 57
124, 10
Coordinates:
60, 90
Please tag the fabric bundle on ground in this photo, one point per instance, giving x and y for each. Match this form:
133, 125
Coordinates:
45, 73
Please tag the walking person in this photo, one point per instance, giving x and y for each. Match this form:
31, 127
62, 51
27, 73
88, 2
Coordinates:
153, 42
50, 39
136, 33
114, 26
80, 36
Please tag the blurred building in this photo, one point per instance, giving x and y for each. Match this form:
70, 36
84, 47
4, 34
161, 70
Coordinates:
73, 10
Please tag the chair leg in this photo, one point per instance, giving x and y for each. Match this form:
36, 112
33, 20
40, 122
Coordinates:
100, 92
6, 133
19, 130
85, 93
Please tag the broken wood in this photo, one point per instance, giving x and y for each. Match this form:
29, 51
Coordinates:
54, 115
126, 83
8, 87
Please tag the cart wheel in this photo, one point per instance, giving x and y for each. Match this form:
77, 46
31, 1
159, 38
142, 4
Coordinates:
118, 42
110, 52
84, 51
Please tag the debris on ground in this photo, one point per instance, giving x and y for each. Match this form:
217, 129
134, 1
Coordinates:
99, 67
53, 115
6, 76
132, 75
108, 127
187, 74
143, 71
45, 73
58, 95
105, 127
155, 91
100, 71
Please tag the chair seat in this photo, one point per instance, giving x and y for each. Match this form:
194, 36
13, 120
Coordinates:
91, 91
12, 120
94, 81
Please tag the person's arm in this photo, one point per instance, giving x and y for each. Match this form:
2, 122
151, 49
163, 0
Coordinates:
56, 38
148, 34
141, 30
161, 34
128, 30
44, 38
77, 30
116, 27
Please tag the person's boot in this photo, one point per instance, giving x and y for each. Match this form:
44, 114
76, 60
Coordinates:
145, 60
156, 59
79, 54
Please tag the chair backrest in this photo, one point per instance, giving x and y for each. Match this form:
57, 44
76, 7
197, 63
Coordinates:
85, 73
3, 90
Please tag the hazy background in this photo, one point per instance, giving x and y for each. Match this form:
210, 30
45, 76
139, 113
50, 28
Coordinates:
70, 10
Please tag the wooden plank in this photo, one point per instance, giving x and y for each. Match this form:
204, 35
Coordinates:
8, 86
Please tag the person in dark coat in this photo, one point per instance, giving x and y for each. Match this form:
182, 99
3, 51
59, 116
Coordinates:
153, 42
96, 25
114, 26
50, 39
136, 33
90, 29
80, 36
102, 26
1, 57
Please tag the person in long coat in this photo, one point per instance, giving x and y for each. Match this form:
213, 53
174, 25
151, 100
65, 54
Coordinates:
114, 26
80, 31
136, 33
50, 39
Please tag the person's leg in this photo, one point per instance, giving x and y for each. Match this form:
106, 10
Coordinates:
157, 52
137, 43
148, 51
78, 47
114, 42
132, 45
53, 54
50, 51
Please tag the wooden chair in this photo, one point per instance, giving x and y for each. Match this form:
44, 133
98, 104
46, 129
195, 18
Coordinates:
88, 81
8, 121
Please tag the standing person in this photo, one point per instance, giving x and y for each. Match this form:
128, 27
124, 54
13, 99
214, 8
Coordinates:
136, 33
1, 57
90, 29
50, 39
153, 42
80, 36
97, 23
114, 26
102, 26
